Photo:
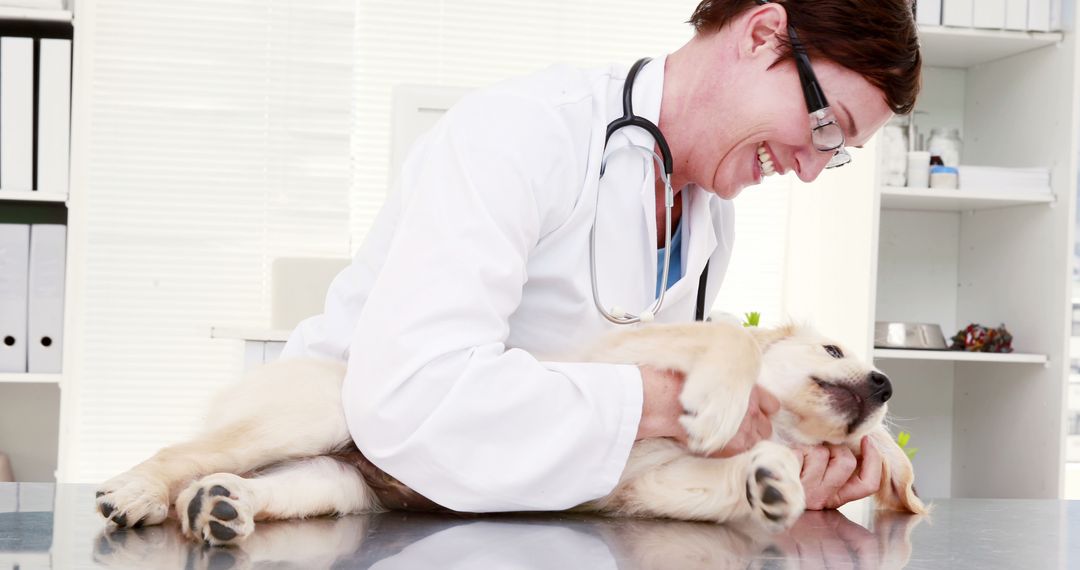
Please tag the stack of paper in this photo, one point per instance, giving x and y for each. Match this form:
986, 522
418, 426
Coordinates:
993, 178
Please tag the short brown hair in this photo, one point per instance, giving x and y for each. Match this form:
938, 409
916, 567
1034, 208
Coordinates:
877, 39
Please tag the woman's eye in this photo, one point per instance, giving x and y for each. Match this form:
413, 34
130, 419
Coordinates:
834, 351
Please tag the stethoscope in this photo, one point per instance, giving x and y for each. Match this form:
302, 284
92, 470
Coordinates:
664, 160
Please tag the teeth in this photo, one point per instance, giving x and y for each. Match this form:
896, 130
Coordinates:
767, 168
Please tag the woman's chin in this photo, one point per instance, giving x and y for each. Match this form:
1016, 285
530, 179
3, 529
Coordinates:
728, 187
728, 191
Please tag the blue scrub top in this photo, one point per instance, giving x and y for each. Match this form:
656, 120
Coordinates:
676, 270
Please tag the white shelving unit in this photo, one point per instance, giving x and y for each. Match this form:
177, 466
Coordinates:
986, 425
958, 356
29, 196
12, 13
7, 378
927, 199
30, 403
967, 47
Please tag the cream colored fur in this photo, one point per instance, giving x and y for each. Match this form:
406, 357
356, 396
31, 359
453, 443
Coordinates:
264, 454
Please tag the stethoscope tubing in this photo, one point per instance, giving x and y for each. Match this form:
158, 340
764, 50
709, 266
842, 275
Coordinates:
665, 161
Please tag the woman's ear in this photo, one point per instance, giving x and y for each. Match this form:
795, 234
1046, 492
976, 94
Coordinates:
760, 28
897, 489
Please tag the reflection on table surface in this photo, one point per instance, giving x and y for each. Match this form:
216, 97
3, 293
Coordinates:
406, 540
45, 526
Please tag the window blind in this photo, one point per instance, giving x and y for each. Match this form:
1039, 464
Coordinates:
217, 138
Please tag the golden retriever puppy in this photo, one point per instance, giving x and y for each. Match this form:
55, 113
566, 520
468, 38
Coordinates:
277, 446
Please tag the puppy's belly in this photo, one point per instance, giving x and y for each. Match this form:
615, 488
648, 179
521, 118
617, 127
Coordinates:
391, 493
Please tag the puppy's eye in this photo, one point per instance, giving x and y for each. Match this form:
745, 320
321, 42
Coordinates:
834, 351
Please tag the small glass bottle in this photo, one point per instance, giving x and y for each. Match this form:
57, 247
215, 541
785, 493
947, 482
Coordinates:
946, 144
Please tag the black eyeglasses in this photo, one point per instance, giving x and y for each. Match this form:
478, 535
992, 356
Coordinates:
825, 132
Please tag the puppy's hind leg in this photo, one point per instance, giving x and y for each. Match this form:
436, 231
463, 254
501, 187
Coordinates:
222, 508
282, 411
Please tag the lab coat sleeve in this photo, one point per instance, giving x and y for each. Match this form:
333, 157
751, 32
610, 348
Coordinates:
432, 394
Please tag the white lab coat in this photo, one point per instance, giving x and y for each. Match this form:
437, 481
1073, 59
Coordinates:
475, 279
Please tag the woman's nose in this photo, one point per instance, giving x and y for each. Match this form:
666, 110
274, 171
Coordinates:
811, 163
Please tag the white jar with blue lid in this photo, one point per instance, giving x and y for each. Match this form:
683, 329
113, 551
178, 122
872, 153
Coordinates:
946, 177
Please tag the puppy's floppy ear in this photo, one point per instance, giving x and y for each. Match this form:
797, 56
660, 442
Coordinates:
768, 336
893, 531
897, 489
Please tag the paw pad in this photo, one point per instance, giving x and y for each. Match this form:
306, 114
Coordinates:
218, 511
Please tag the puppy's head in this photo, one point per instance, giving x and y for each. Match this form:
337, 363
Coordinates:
828, 395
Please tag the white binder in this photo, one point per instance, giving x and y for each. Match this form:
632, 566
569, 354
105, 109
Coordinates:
54, 115
928, 12
16, 113
957, 13
1016, 14
14, 265
45, 315
1039, 15
989, 14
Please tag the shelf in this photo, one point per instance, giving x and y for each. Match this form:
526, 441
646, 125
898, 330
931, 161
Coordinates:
11, 13
966, 47
31, 196
23, 378
959, 356
935, 199
252, 334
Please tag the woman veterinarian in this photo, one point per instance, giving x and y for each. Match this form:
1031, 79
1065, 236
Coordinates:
476, 283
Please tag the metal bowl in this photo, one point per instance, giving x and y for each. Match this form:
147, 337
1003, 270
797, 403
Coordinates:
916, 336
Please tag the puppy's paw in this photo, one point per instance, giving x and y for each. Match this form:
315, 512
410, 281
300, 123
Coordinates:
773, 489
717, 391
712, 418
217, 509
133, 499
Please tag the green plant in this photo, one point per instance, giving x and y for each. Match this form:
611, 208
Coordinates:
902, 439
752, 319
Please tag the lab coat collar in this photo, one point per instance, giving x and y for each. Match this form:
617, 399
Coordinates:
699, 238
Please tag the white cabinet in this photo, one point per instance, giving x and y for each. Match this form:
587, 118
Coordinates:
985, 425
30, 403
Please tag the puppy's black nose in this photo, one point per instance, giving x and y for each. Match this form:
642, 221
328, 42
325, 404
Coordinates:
880, 387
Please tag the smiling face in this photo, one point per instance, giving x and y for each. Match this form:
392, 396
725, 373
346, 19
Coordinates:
746, 116
826, 395
778, 140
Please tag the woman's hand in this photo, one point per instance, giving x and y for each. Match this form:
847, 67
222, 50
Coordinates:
832, 476
661, 410
827, 539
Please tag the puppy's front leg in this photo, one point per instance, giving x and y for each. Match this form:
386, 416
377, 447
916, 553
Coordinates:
721, 363
661, 480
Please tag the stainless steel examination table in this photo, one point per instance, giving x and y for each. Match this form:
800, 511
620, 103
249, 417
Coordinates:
54, 526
